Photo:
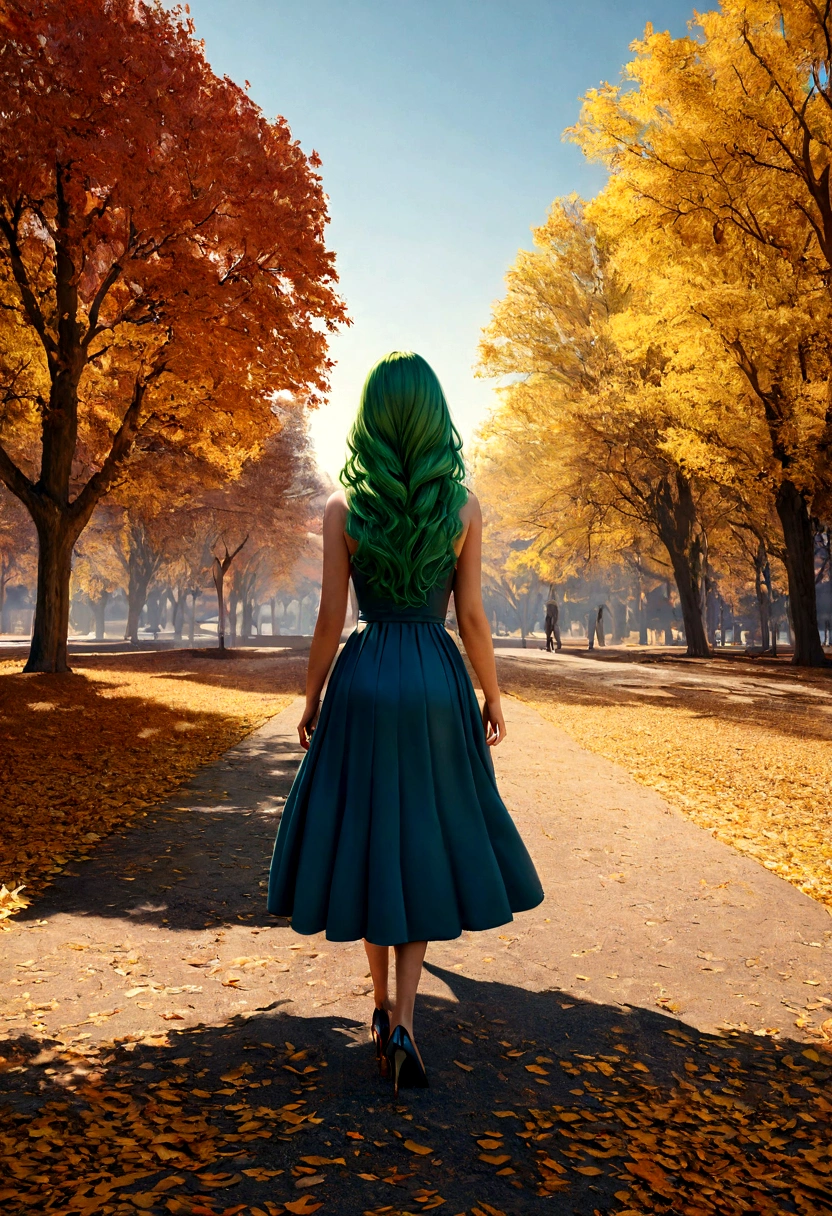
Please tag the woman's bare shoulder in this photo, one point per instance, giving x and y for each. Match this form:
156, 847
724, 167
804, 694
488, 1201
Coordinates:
336, 505
471, 510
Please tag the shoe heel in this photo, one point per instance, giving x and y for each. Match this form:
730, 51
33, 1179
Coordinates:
399, 1060
377, 1041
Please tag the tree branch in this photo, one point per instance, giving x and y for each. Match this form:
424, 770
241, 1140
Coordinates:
17, 482
27, 296
82, 507
95, 308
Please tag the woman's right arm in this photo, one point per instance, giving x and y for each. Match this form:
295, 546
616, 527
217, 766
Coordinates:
474, 628
332, 612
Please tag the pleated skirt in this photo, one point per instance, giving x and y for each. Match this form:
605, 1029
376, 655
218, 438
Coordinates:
394, 829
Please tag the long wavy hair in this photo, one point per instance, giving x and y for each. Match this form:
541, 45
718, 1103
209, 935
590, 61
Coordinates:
404, 479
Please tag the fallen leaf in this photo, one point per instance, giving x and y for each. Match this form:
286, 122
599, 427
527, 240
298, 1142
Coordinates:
215, 1181
167, 1183
303, 1206
421, 1149
314, 1180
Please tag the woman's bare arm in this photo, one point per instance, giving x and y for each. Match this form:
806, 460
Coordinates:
333, 610
473, 623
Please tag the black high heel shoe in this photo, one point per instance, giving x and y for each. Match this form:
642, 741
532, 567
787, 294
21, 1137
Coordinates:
380, 1030
408, 1071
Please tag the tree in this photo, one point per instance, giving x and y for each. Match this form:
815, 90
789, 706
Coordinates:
508, 574
163, 271
588, 417
265, 515
722, 151
96, 569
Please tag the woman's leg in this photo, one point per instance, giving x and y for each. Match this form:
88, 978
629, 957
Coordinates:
379, 959
409, 959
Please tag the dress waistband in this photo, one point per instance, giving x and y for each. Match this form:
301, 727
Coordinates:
397, 618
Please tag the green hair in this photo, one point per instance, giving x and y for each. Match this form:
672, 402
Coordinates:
404, 479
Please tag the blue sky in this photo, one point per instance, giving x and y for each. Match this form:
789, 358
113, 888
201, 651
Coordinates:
439, 124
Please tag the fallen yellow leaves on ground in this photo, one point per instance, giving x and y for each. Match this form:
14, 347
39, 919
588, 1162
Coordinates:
697, 1146
85, 752
102, 1140
760, 787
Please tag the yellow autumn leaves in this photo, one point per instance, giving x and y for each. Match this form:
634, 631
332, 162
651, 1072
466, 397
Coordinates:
739, 774
663, 349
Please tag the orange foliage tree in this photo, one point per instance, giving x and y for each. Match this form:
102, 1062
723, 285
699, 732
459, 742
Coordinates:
261, 522
163, 270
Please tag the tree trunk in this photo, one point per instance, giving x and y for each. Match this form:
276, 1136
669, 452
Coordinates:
272, 607
219, 583
642, 618
793, 513
762, 583
178, 615
679, 532
690, 602
192, 618
177, 604
245, 629
56, 539
619, 621
137, 585
232, 615
135, 603
219, 570
3, 622
100, 615
154, 613
142, 564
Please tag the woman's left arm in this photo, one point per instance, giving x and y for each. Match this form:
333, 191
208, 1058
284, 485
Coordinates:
332, 612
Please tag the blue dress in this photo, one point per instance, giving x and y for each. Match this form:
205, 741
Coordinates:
394, 829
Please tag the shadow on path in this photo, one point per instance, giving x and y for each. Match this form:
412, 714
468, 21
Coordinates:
539, 1103
193, 867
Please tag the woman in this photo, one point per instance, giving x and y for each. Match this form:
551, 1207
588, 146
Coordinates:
394, 831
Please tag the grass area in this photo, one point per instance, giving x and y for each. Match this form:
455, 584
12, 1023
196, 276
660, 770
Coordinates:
86, 752
755, 771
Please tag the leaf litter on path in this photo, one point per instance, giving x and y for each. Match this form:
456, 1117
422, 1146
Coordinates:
113, 733
757, 777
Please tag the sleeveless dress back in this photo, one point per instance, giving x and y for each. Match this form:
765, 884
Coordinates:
394, 829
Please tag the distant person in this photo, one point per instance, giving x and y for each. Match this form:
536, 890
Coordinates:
599, 626
591, 621
394, 830
552, 627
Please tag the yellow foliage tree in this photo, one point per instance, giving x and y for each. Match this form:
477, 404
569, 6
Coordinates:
584, 427
720, 146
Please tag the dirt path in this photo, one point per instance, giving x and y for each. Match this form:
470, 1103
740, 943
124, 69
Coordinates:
153, 972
